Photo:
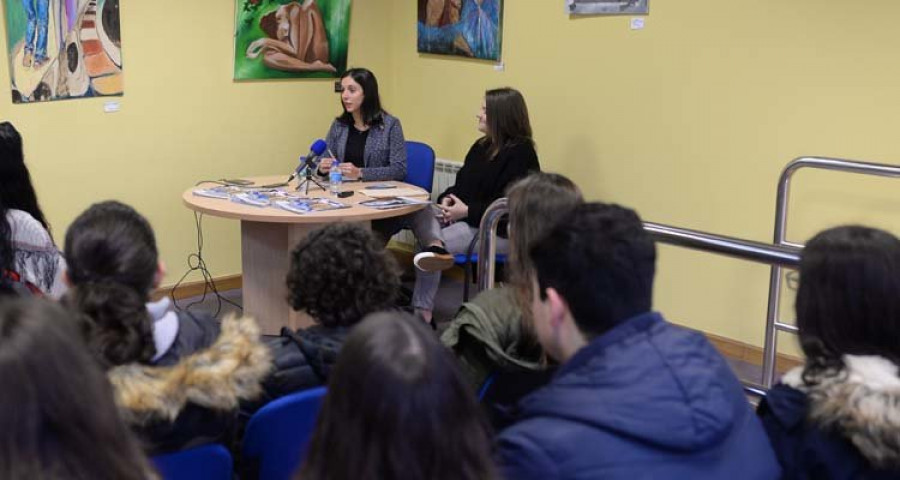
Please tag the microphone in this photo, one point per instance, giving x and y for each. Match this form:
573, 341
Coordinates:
315, 150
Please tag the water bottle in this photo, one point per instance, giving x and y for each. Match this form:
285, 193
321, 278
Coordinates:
335, 179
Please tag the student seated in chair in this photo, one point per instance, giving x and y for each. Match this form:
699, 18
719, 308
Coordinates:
492, 335
836, 416
56, 406
634, 396
338, 275
397, 408
177, 378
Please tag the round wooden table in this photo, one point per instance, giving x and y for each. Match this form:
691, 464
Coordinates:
269, 233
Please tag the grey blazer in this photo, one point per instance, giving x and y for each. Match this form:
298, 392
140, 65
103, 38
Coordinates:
385, 157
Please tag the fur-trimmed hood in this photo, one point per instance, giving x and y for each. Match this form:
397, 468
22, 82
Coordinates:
861, 402
230, 370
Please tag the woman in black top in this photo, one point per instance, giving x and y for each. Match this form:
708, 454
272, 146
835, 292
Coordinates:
503, 155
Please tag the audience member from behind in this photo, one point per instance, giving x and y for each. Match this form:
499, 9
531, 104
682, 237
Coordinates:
338, 275
836, 416
25, 237
490, 334
634, 396
56, 407
398, 408
177, 378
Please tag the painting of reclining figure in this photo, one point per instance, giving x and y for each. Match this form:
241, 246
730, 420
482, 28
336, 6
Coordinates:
607, 7
468, 28
291, 38
61, 49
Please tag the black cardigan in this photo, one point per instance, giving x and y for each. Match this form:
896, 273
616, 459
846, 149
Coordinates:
480, 181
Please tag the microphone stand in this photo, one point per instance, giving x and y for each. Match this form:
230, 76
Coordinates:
309, 178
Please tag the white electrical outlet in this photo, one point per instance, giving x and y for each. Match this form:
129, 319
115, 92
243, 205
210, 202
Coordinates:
499, 67
637, 23
112, 107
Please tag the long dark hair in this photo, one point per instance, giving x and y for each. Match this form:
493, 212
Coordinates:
16, 190
848, 300
507, 120
56, 407
372, 113
112, 262
398, 408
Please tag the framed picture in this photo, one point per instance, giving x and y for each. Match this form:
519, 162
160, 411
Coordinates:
466, 28
290, 38
607, 7
63, 49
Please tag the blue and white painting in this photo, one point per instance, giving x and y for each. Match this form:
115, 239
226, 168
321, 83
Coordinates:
467, 28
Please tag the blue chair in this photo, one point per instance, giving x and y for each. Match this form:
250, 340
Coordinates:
208, 461
419, 165
278, 434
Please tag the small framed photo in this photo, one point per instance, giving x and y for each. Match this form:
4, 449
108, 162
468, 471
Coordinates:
607, 7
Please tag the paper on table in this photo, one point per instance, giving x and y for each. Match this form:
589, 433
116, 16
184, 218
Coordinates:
394, 192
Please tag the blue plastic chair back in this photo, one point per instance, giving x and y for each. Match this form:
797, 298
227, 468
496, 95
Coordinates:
419, 165
278, 434
208, 461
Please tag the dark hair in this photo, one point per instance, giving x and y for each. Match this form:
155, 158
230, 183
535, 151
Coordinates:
398, 407
371, 111
507, 119
112, 262
340, 273
56, 406
848, 300
16, 190
602, 262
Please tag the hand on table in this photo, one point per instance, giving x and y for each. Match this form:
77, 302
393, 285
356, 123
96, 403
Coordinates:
350, 171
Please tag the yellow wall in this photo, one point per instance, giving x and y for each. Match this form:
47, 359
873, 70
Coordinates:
183, 119
689, 120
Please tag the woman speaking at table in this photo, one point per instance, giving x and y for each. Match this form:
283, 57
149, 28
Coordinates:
365, 140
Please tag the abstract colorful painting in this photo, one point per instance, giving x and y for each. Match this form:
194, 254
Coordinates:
290, 38
61, 49
468, 28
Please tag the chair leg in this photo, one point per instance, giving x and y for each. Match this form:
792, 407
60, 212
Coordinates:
467, 279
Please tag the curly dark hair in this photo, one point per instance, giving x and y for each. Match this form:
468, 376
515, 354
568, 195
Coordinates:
341, 273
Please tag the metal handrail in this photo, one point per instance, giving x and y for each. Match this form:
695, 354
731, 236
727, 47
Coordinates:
788, 256
780, 255
487, 230
784, 255
773, 325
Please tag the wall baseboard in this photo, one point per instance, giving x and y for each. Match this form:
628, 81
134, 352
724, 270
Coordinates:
193, 289
750, 353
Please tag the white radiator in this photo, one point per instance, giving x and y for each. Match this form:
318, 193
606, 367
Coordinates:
444, 178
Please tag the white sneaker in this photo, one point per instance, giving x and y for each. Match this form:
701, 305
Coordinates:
433, 259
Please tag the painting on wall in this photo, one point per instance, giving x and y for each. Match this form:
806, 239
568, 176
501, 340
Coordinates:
290, 38
607, 7
60, 49
468, 28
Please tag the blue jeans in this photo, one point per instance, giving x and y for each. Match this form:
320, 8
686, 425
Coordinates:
38, 22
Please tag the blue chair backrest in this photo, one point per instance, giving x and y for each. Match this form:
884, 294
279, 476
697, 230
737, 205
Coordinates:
208, 461
278, 434
419, 165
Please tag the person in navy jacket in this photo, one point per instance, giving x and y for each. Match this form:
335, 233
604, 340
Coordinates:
836, 416
635, 396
